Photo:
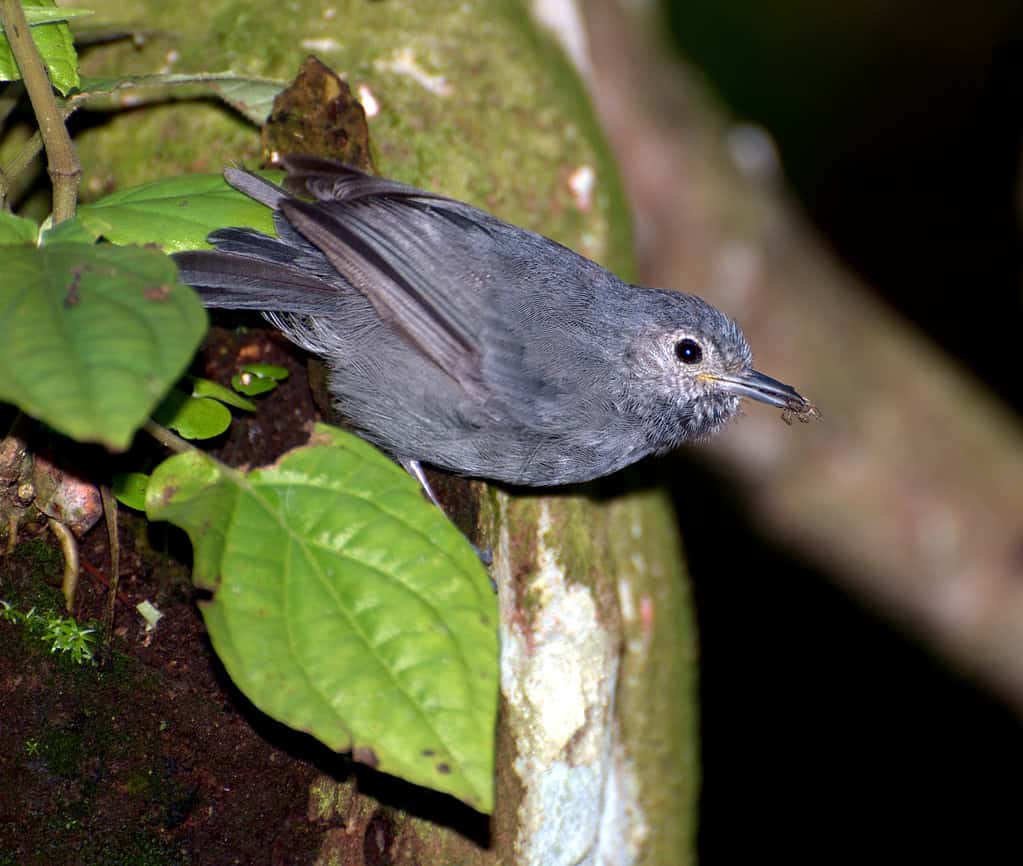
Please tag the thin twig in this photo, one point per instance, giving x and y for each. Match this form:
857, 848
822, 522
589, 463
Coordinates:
166, 438
62, 161
110, 515
102, 578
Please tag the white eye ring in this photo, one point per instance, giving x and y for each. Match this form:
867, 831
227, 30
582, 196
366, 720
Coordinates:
688, 351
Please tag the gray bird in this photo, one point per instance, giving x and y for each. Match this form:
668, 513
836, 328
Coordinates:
455, 339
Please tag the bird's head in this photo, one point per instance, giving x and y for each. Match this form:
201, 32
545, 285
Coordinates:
695, 360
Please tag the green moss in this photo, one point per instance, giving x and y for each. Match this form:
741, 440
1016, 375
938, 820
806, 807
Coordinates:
131, 848
39, 559
61, 751
330, 799
138, 780
76, 721
473, 102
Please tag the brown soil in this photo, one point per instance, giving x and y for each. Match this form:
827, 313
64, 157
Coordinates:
151, 756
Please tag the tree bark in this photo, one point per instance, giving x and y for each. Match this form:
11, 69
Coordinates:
911, 490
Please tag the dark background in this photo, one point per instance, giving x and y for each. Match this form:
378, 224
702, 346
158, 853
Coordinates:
829, 736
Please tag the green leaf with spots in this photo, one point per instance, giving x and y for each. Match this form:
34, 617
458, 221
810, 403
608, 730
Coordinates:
176, 213
91, 337
347, 606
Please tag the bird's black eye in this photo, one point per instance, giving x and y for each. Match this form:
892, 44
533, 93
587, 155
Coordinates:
688, 351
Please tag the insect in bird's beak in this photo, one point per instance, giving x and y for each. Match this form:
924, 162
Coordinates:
767, 390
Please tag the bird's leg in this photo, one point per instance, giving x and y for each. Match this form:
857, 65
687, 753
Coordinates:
415, 469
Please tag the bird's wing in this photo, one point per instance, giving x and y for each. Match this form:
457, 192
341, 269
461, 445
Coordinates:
420, 259
502, 311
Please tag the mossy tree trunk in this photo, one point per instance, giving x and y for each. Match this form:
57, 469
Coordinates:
597, 737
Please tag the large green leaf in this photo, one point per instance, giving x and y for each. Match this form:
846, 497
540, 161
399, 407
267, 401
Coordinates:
54, 42
91, 337
16, 229
347, 606
67, 232
176, 213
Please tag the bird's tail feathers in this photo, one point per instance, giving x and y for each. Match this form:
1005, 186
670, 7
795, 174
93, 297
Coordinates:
241, 282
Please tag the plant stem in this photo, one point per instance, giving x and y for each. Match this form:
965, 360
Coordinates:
69, 547
62, 161
166, 438
110, 515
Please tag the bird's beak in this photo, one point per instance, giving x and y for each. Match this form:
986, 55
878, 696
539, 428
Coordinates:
763, 388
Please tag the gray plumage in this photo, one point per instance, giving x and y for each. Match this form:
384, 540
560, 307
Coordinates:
461, 341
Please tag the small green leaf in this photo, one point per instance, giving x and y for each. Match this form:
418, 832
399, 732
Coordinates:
347, 606
216, 391
150, 613
253, 386
36, 15
55, 46
176, 213
193, 417
17, 230
251, 97
91, 336
266, 371
255, 379
129, 488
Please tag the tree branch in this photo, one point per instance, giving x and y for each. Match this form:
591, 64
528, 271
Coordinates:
910, 490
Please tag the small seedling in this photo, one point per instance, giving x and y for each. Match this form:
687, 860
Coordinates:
63, 634
67, 636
